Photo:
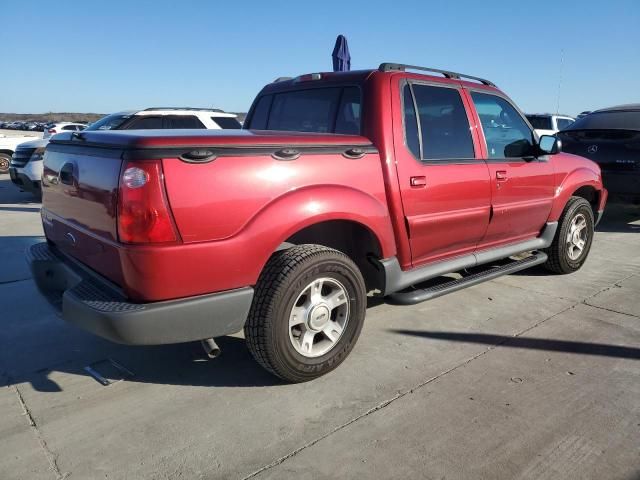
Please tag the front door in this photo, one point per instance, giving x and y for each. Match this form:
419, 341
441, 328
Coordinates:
522, 185
445, 189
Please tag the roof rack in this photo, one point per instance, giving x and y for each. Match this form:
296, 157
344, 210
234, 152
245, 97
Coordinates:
184, 108
401, 67
282, 79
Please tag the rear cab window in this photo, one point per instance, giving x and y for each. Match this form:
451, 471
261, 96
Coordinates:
318, 110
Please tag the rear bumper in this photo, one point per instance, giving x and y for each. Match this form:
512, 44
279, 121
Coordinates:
94, 304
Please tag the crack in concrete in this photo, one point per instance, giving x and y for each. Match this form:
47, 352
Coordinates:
7, 282
610, 310
420, 385
50, 456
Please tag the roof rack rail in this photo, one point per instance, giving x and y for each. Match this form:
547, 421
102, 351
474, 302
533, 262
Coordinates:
390, 67
282, 79
184, 108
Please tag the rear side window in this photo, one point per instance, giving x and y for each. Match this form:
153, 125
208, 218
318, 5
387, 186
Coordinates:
563, 123
443, 125
410, 123
73, 128
144, 122
183, 122
540, 122
226, 122
505, 131
320, 110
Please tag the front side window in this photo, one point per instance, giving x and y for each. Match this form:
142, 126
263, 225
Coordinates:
505, 131
443, 128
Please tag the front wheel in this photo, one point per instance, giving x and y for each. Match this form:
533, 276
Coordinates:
573, 239
307, 313
4, 162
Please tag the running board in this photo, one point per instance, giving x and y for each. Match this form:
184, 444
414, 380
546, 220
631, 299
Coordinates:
422, 294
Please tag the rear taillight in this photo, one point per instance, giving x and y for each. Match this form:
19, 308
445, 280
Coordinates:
143, 210
52, 131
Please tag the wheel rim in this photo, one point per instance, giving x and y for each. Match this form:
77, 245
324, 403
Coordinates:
4, 164
319, 317
577, 236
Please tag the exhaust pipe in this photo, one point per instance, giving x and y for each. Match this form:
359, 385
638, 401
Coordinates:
211, 348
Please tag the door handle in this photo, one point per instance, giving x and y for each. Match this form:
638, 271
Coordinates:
501, 175
418, 181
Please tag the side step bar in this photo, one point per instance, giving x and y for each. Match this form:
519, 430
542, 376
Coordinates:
422, 294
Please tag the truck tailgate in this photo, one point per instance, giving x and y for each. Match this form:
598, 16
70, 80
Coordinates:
80, 191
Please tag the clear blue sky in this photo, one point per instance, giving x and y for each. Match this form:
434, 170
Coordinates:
104, 56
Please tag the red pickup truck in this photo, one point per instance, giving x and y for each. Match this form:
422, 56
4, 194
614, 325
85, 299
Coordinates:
341, 185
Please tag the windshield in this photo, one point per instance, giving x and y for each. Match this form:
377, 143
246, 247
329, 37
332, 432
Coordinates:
540, 122
110, 122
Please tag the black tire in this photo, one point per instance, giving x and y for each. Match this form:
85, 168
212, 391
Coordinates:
559, 259
284, 278
4, 162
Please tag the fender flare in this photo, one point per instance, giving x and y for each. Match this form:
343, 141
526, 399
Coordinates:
302, 208
581, 177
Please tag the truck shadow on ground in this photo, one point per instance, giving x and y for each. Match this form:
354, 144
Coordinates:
546, 344
11, 194
620, 217
180, 364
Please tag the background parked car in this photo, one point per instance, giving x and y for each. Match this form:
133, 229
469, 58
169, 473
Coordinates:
168, 117
611, 138
8, 145
26, 164
549, 123
63, 127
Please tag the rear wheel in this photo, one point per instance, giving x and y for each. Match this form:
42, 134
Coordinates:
4, 162
307, 313
573, 239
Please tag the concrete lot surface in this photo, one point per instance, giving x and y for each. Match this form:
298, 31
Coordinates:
20, 133
530, 376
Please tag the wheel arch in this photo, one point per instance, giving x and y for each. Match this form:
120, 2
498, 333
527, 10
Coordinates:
350, 237
584, 183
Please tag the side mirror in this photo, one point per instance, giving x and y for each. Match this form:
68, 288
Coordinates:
549, 145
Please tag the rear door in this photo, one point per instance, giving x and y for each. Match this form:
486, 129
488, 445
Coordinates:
445, 189
522, 186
